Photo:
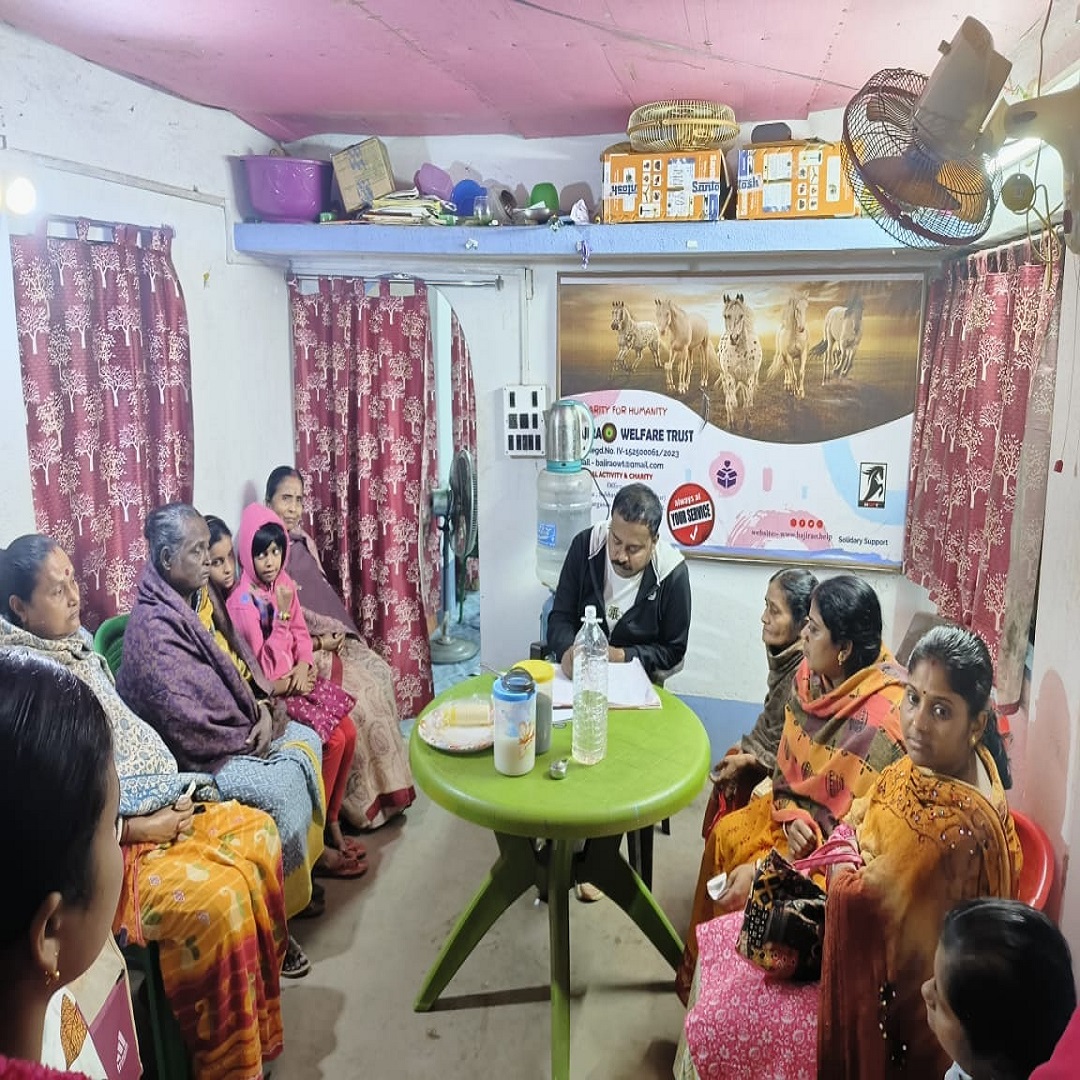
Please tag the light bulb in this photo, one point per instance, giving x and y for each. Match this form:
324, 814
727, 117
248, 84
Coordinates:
20, 196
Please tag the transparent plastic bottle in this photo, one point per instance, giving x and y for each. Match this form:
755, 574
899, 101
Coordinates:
589, 736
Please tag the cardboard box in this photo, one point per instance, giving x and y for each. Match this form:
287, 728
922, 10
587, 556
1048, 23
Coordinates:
794, 180
692, 185
363, 173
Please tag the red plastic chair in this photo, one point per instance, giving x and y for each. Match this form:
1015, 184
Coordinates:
1037, 875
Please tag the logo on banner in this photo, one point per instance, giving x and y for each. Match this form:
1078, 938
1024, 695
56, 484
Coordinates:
872, 484
690, 515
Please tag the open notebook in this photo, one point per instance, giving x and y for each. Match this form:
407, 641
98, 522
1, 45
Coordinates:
628, 688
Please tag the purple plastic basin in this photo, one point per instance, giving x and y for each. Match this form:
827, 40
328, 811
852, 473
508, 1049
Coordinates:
287, 189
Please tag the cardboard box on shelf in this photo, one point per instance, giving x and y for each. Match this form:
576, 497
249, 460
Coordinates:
794, 180
363, 173
692, 185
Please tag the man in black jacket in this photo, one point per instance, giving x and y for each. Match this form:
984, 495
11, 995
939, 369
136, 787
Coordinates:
638, 584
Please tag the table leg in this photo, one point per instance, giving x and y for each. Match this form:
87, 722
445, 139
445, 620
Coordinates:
514, 871
602, 864
559, 882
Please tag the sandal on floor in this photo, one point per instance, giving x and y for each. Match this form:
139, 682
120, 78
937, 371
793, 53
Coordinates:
296, 964
587, 893
347, 866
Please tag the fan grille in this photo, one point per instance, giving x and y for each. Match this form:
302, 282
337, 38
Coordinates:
914, 195
672, 126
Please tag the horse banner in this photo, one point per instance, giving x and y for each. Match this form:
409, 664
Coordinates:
772, 414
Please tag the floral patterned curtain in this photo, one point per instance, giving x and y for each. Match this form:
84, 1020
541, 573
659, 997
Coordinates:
365, 442
463, 410
981, 447
106, 373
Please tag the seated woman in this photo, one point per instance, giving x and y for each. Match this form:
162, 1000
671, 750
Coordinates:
787, 603
934, 830
221, 947
840, 731
265, 610
380, 783
59, 801
184, 677
1001, 992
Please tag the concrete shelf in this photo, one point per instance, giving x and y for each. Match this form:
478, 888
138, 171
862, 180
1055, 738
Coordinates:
824, 241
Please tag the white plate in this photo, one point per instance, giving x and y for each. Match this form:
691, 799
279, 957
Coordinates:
454, 738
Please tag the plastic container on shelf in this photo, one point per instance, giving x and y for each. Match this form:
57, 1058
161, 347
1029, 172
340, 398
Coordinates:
285, 189
563, 509
589, 737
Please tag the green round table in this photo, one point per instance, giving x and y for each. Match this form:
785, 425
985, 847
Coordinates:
656, 763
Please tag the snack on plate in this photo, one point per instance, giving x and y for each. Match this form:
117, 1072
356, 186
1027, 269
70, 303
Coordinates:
469, 712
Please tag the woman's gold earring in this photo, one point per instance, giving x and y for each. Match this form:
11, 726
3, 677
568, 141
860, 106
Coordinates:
52, 977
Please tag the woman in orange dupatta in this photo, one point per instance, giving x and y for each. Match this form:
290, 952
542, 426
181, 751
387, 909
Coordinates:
935, 831
840, 730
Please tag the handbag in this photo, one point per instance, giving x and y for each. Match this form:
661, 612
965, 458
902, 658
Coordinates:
784, 919
321, 709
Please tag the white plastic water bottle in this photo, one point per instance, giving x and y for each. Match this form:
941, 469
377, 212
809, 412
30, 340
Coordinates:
589, 742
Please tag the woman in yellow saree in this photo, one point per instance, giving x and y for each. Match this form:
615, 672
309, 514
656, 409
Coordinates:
936, 830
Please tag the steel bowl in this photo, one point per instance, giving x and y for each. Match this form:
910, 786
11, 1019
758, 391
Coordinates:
531, 215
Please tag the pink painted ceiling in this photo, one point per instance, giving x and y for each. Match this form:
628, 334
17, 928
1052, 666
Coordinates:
295, 68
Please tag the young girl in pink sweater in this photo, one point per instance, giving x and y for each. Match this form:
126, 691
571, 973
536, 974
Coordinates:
265, 609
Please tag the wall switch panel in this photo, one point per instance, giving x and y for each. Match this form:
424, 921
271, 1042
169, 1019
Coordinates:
523, 420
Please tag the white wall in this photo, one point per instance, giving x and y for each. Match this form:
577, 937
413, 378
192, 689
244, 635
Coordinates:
1051, 740
150, 159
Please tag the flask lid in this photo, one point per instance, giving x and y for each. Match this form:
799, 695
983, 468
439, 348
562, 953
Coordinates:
590, 613
517, 682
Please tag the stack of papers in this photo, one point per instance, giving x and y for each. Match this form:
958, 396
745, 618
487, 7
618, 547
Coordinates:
406, 207
628, 688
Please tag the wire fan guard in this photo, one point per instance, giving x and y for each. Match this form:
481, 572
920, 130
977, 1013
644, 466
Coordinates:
463, 503
672, 126
918, 197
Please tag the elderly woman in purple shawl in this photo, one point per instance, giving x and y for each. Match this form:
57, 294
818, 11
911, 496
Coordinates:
380, 784
189, 681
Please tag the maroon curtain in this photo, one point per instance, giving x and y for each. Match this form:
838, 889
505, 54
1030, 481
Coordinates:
106, 372
463, 409
365, 442
981, 446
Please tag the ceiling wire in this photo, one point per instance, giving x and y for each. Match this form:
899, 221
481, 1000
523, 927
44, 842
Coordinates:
1038, 81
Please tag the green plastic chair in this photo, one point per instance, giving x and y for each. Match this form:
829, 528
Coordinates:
109, 641
170, 1053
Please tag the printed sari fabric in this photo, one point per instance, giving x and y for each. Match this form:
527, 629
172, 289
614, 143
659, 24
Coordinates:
833, 746
928, 843
214, 904
380, 781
